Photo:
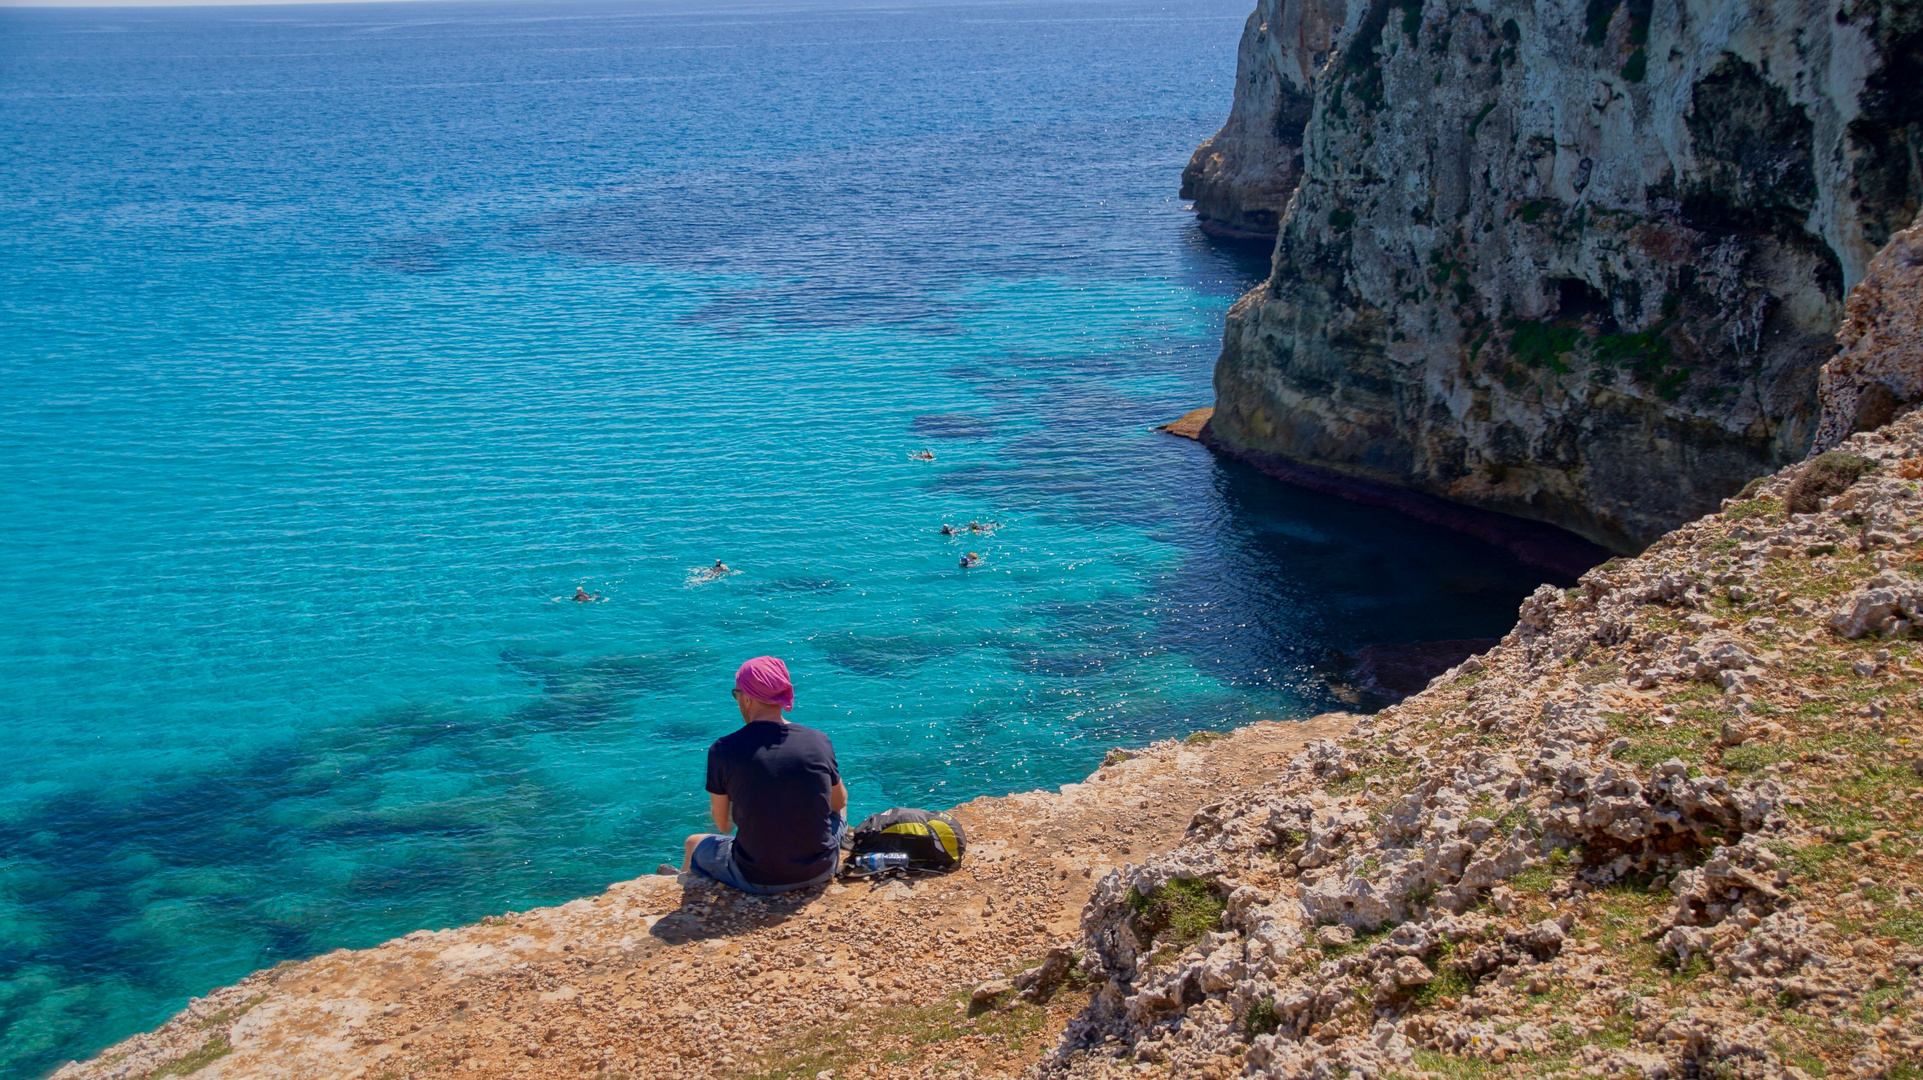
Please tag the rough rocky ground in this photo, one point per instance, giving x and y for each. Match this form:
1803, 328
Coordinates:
1878, 368
1669, 827
677, 977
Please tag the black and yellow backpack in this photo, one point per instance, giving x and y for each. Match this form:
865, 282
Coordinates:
933, 841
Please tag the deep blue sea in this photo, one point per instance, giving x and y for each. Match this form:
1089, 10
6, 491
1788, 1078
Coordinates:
339, 344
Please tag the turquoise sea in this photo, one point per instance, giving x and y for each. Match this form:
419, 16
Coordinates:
339, 344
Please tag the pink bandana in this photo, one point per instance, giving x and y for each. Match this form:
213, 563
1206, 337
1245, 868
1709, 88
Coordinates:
765, 679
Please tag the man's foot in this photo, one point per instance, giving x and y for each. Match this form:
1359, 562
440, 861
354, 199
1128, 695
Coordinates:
668, 869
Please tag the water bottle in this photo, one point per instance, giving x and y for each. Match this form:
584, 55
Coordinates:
874, 862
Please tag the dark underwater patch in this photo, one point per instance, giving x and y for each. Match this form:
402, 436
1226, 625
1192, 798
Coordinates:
799, 585
951, 426
584, 693
410, 255
89, 863
885, 656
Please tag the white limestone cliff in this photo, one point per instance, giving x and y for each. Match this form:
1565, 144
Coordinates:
1577, 263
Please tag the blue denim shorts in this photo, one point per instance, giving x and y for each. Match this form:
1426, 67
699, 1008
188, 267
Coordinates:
714, 858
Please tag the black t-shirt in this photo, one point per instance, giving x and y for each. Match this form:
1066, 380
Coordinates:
777, 776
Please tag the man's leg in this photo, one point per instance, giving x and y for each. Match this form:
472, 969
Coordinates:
687, 849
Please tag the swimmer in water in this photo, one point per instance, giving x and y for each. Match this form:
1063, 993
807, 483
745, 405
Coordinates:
719, 568
582, 596
947, 529
970, 559
925, 455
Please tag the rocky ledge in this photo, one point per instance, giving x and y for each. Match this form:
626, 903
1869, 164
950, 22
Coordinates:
1668, 827
677, 977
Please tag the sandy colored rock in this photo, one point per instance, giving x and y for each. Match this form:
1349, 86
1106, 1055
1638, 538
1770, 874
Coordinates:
1878, 371
1191, 423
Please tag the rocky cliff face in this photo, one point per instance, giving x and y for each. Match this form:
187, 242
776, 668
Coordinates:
1878, 370
1242, 178
1578, 263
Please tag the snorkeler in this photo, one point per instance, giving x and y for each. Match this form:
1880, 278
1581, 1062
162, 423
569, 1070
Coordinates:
970, 559
582, 596
947, 529
925, 455
719, 568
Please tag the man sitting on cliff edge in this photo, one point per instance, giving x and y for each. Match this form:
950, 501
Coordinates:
777, 785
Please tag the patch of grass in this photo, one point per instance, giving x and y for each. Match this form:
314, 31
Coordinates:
228, 1016
1262, 1018
1803, 1059
1597, 18
880, 1035
1827, 475
1905, 926
1178, 913
1202, 738
1626, 915
1363, 939
1539, 878
1696, 968
211, 1051
1448, 983
1677, 742
1600, 673
1648, 356
1537, 344
1845, 816
1638, 65
1876, 1001
1808, 860
1693, 692
1480, 117
1616, 1033
1449, 1065
1515, 819
1754, 757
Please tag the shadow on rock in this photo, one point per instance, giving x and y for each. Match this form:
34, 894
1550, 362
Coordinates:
710, 910
1396, 671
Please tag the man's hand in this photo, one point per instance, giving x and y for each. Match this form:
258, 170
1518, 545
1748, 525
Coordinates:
718, 807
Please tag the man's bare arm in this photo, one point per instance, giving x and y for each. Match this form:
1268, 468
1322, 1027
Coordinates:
838, 798
718, 806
